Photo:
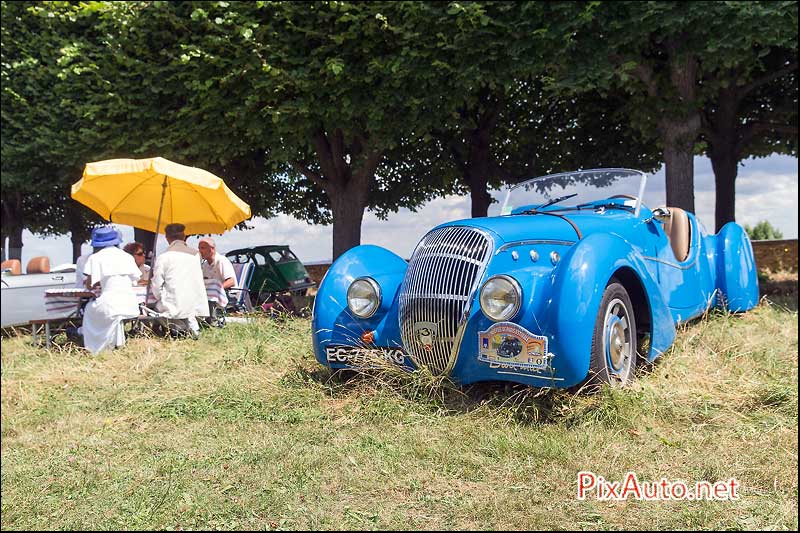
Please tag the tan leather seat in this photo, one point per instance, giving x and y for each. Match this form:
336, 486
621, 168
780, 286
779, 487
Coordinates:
13, 265
679, 232
38, 265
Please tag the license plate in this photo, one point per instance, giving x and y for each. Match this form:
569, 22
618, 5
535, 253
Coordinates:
360, 356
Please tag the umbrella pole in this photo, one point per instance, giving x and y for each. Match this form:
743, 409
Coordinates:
155, 240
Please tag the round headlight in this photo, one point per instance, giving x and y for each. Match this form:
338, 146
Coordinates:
501, 297
364, 297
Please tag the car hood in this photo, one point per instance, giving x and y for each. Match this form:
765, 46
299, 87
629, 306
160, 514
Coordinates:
513, 228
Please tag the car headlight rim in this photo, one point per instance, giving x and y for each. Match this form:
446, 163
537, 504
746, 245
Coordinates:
359, 284
513, 288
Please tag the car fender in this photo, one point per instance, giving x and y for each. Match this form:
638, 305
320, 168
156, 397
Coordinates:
332, 322
578, 286
737, 278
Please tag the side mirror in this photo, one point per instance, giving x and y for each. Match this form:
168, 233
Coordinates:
659, 215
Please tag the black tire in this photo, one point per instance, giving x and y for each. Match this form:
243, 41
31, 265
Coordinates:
614, 348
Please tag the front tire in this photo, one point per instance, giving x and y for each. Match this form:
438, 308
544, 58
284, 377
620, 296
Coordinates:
613, 357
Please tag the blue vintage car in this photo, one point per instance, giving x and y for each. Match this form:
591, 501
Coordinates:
571, 285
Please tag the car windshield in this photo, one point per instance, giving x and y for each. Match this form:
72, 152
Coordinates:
577, 189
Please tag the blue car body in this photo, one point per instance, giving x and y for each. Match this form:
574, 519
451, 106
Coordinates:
562, 267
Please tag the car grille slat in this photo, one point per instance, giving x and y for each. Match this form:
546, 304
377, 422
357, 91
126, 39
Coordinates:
440, 281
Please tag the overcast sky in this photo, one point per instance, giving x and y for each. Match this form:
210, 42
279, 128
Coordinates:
766, 189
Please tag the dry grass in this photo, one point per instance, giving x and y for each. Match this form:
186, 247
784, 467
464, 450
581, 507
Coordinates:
243, 430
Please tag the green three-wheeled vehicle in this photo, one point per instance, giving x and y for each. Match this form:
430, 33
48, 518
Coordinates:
279, 279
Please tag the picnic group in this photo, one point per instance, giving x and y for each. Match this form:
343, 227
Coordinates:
176, 279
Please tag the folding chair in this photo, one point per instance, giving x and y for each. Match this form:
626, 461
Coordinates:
239, 294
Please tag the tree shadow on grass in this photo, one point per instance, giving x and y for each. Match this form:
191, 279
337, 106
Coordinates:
520, 403
780, 290
438, 394
787, 302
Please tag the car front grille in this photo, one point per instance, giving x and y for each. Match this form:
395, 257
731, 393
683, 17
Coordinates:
441, 279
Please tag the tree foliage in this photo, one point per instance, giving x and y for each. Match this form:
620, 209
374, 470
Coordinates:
47, 131
674, 59
498, 118
325, 109
323, 90
79, 86
752, 110
763, 231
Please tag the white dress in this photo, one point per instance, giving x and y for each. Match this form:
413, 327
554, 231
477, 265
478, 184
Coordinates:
117, 272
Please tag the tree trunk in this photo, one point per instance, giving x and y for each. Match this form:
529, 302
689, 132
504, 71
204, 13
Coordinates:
476, 173
78, 232
349, 195
348, 172
347, 218
12, 224
77, 243
4, 235
680, 127
477, 170
725, 165
146, 238
480, 197
724, 150
14, 235
679, 170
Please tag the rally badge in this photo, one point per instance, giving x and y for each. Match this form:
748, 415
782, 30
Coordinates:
509, 345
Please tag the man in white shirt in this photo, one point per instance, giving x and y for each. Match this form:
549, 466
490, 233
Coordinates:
178, 280
216, 266
219, 268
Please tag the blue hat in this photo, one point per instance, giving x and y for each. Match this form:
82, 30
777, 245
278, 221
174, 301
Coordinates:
105, 236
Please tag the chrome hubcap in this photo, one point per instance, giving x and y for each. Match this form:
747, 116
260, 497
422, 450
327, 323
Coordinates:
617, 340
617, 346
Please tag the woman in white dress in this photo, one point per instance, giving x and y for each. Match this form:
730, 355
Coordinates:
116, 272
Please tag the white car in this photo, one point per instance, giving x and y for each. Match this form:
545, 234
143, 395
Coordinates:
23, 295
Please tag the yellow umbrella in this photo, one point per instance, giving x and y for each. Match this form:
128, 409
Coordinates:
151, 193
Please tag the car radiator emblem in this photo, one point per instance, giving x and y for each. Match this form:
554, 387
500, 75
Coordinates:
426, 333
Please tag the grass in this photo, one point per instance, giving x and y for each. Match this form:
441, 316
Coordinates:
243, 430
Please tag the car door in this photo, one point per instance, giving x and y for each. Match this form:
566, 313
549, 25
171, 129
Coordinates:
683, 283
